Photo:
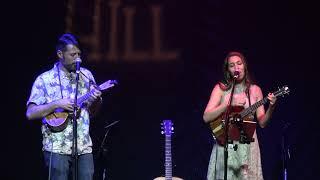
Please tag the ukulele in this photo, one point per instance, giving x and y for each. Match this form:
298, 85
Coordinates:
238, 113
167, 127
58, 120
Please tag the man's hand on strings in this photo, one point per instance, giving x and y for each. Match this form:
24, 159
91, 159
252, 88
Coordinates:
94, 94
65, 103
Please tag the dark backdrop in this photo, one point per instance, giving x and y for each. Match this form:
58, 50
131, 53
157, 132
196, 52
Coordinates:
278, 39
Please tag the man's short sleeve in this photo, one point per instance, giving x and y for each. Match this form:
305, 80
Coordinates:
37, 95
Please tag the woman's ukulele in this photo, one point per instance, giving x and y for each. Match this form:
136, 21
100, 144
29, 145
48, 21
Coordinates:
58, 120
240, 114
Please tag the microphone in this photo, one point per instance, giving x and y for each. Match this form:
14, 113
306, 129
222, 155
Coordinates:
78, 62
236, 74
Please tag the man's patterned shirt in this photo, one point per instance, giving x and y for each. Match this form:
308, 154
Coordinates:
46, 89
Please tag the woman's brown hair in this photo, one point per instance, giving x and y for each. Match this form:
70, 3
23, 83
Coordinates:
227, 83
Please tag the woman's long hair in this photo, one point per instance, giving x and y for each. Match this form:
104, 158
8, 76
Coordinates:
227, 83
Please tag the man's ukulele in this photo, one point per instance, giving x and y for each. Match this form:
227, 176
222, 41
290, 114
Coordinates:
58, 120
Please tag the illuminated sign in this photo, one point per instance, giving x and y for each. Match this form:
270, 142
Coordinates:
119, 49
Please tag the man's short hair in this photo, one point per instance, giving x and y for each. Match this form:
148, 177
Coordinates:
66, 39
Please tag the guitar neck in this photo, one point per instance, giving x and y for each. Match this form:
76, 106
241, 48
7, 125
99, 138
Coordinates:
253, 107
281, 92
86, 96
168, 159
83, 98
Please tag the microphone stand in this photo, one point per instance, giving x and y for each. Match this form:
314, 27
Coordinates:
226, 130
285, 151
74, 125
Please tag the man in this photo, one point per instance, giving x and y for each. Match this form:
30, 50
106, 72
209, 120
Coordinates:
54, 90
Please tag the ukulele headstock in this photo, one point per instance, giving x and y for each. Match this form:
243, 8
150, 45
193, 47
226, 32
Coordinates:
282, 91
108, 84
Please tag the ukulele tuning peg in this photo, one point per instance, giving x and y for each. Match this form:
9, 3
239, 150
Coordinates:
114, 81
162, 132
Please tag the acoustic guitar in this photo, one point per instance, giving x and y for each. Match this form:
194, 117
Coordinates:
167, 127
58, 120
238, 114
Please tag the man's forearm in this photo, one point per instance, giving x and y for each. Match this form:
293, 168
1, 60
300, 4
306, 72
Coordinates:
40, 111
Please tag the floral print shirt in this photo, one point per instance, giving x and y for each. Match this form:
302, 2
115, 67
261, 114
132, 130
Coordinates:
56, 84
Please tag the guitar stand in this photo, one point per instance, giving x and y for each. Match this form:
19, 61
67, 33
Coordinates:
100, 165
103, 150
100, 169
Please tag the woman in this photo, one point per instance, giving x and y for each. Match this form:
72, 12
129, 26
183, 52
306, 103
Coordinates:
243, 163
